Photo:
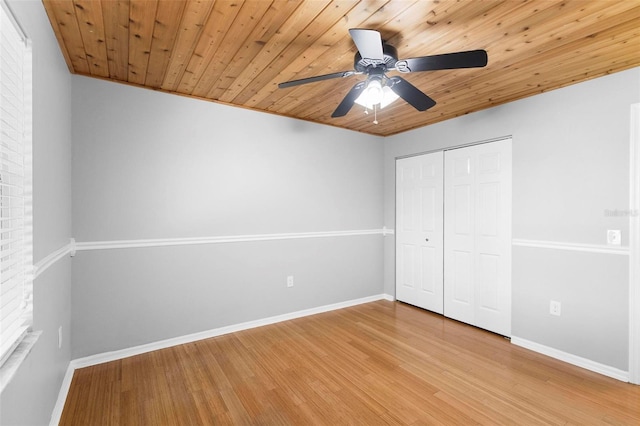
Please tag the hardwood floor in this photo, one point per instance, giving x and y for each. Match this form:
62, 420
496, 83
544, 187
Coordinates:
378, 363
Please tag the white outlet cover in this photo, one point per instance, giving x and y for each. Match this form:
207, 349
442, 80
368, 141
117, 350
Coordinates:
614, 237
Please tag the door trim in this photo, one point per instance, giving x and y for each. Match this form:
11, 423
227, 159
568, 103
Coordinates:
634, 246
449, 148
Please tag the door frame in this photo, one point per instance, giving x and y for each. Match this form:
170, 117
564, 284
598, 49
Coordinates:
634, 246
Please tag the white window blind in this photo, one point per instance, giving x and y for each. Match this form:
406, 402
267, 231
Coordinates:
16, 257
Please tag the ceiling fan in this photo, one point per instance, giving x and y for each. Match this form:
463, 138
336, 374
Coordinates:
374, 58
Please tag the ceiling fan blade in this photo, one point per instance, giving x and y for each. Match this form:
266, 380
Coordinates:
349, 100
447, 61
314, 79
411, 94
368, 42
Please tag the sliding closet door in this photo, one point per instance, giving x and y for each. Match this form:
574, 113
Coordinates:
477, 241
419, 231
459, 234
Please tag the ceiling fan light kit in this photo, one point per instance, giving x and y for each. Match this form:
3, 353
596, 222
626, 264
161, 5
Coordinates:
374, 59
376, 95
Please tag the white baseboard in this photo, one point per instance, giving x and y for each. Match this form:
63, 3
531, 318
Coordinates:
163, 344
572, 359
62, 396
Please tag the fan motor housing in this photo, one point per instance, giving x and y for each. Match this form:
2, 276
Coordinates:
390, 57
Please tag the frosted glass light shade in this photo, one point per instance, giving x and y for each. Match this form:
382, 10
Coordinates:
374, 94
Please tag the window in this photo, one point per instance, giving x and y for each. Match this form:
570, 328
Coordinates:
16, 256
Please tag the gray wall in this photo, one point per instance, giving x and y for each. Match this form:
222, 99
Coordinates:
30, 397
570, 164
150, 165
145, 295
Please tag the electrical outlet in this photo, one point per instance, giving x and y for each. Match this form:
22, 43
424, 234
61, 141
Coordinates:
613, 237
60, 337
290, 281
554, 307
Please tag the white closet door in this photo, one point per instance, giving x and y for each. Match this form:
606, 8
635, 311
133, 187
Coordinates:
478, 236
459, 232
419, 231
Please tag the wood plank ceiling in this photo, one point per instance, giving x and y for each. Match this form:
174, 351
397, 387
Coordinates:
236, 52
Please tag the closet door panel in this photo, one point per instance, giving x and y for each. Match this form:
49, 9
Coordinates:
459, 211
477, 246
419, 232
493, 238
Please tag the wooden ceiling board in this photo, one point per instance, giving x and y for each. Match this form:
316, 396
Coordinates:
116, 30
232, 85
142, 18
91, 25
216, 35
237, 51
162, 41
289, 32
65, 25
194, 23
229, 54
305, 54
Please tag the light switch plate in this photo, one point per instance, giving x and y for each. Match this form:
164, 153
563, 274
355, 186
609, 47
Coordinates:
614, 237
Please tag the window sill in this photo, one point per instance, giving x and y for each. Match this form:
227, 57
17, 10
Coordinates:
11, 365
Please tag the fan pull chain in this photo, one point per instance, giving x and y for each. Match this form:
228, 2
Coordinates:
375, 115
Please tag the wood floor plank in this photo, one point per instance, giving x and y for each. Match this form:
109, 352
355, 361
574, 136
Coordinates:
381, 363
